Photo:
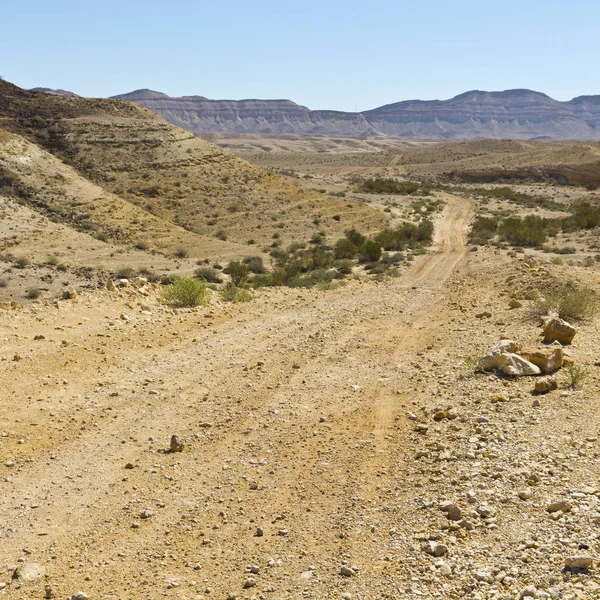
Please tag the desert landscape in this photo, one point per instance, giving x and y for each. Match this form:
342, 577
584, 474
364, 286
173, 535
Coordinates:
294, 366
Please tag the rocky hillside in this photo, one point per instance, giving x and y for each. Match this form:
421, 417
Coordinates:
517, 114
131, 155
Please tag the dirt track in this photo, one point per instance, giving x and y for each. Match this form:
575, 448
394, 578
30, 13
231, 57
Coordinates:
293, 408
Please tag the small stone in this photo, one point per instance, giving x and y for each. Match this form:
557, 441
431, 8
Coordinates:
435, 549
79, 596
250, 582
146, 514
347, 571
525, 494
560, 505
579, 562
545, 384
514, 303
259, 532
177, 444
454, 513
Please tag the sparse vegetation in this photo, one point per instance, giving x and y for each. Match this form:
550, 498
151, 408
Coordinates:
567, 300
576, 375
21, 262
33, 293
208, 275
238, 271
391, 186
186, 292
232, 293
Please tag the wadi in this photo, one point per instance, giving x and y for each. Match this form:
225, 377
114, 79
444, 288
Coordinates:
294, 366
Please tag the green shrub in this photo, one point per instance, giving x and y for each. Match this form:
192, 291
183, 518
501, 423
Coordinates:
33, 293
21, 262
576, 375
186, 292
238, 271
255, 264
208, 274
126, 273
232, 293
391, 186
345, 249
370, 251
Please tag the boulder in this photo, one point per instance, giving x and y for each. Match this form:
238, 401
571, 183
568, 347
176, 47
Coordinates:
545, 384
510, 364
558, 330
548, 359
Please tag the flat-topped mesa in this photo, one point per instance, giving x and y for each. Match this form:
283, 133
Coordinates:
517, 114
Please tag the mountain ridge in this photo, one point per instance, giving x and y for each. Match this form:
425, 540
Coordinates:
517, 114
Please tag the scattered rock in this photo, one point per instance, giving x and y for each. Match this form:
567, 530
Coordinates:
435, 549
558, 330
146, 514
560, 505
80, 596
347, 571
514, 303
177, 444
509, 363
110, 285
545, 384
29, 572
548, 359
579, 562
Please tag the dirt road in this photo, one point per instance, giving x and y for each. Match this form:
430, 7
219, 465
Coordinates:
293, 409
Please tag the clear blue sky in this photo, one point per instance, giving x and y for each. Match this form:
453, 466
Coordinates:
323, 54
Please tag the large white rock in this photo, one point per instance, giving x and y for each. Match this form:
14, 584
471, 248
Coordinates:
509, 363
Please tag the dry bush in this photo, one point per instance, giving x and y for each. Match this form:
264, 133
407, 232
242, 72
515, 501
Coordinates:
567, 300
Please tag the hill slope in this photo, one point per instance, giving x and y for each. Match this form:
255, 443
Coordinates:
136, 157
519, 114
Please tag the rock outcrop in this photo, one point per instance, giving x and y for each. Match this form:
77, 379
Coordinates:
515, 114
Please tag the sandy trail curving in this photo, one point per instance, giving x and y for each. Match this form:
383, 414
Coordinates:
293, 411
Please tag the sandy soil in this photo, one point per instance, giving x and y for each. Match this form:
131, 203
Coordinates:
298, 413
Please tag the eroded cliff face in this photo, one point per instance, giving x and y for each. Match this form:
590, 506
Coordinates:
520, 114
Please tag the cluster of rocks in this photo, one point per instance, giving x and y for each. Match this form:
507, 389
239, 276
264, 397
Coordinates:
510, 358
139, 284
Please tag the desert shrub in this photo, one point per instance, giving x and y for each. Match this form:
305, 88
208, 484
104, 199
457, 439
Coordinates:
344, 266
33, 293
181, 253
208, 274
567, 300
556, 260
357, 239
576, 374
255, 264
529, 231
232, 293
262, 280
126, 273
221, 234
584, 216
21, 262
141, 245
62, 267
483, 230
390, 186
52, 261
406, 235
3, 282
238, 271
370, 251
345, 249
186, 292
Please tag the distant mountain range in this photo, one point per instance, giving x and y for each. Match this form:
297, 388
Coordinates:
515, 114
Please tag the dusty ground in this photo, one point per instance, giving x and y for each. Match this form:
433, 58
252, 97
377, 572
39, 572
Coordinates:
298, 411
